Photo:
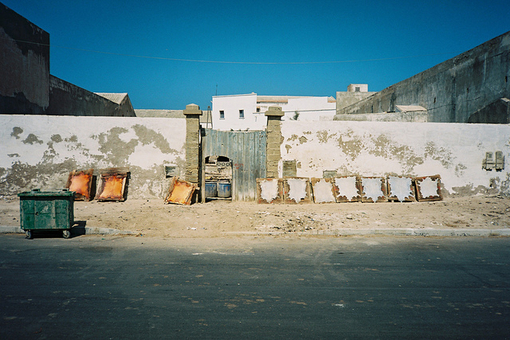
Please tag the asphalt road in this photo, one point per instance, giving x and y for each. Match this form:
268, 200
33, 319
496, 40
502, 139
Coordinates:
91, 287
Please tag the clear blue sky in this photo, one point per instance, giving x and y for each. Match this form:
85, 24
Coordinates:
151, 49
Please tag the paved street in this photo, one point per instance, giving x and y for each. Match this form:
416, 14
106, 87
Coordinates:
91, 287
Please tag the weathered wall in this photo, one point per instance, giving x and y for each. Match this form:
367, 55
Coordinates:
494, 113
453, 90
345, 99
24, 64
69, 99
412, 117
454, 151
40, 151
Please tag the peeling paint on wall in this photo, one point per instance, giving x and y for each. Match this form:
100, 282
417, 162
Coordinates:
441, 154
31, 139
381, 149
16, 131
40, 151
324, 137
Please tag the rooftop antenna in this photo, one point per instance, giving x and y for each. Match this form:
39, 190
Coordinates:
216, 89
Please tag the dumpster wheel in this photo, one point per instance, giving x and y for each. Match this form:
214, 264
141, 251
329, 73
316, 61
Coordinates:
28, 234
66, 233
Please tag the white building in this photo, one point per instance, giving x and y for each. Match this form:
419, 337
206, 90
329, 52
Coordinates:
247, 111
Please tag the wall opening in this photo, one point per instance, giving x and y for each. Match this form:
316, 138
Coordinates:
218, 177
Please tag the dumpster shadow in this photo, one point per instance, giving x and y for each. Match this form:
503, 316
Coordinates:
47, 233
78, 228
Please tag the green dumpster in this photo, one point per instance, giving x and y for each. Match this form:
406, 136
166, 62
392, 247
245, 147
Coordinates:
47, 210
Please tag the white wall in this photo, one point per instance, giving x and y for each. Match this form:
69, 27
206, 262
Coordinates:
231, 106
454, 151
309, 109
40, 151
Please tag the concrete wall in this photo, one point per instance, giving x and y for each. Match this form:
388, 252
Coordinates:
494, 113
69, 99
40, 151
411, 117
24, 64
345, 99
454, 151
453, 90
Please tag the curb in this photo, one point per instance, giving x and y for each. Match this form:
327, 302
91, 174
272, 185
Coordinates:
389, 232
74, 231
334, 232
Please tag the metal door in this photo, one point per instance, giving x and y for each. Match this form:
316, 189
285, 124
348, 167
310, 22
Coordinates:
247, 152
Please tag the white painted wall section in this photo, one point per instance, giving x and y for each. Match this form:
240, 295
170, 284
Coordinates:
40, 151
453, 151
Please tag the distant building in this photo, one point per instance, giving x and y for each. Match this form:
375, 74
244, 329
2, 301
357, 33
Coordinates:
26, 85
247, 111
355, 93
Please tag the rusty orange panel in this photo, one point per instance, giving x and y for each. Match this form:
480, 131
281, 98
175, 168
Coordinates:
180, 192
111, 185
81, 183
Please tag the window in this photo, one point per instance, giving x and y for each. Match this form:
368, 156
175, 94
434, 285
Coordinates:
222, 114
241, 114
357, 89
258, 109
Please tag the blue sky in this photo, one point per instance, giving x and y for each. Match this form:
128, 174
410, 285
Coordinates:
167, 54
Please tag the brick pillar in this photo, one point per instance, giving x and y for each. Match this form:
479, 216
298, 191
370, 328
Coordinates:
192, 114
274, 140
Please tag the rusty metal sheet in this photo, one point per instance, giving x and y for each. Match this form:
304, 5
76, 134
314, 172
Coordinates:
428, 188
112, 184
323, 191
347, 189
373, 189
180, 192
297, 190
81, 183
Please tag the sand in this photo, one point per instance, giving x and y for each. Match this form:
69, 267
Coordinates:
154, 218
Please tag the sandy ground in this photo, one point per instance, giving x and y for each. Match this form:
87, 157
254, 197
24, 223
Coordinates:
222, 218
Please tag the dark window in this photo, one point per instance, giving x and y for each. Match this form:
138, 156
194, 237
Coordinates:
241, 114
357, 89
222, 114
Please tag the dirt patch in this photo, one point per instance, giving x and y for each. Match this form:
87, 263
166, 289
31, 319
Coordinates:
223, 218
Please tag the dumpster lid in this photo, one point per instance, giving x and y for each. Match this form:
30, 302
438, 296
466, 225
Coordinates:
39, 193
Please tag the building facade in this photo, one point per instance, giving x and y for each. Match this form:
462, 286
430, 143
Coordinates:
247, 111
